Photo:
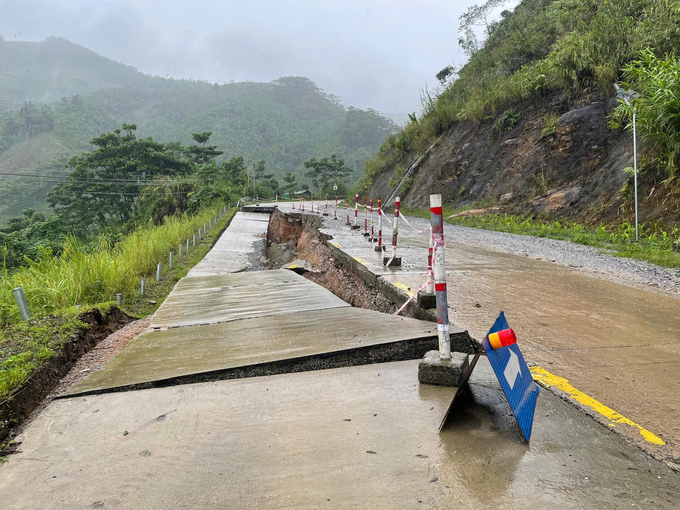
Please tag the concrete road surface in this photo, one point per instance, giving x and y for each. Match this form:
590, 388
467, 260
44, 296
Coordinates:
359, 437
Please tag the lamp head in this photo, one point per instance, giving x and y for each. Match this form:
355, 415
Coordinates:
619, 90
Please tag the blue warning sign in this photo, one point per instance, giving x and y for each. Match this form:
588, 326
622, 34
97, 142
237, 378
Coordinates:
513, 374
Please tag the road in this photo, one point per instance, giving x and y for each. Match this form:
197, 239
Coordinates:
618, 345
328, 430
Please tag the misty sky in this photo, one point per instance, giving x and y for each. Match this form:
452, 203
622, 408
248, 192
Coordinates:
371, 53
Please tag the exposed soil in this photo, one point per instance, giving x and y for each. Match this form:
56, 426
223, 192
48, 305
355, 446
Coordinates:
299, 238
576, 171
37, 391
100, 354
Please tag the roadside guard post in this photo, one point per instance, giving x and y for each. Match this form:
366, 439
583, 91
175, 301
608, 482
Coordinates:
393, 260
356, 213
365, 219
379, 246
372, 238
501, 348
439, 266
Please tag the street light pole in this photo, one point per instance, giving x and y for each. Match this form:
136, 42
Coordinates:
625, 96
637, 238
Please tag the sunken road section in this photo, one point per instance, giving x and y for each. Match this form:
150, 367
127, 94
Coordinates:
222, 324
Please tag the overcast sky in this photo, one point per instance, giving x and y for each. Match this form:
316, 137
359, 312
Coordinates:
372, 53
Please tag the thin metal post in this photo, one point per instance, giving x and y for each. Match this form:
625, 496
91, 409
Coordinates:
210, 224
180, 250
193, 240
119, 299
437, 224
170, 261
143, 288
21, 303
637, 237
371, 220
158, 272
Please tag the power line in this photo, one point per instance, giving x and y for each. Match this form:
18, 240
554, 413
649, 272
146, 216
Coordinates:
67, 179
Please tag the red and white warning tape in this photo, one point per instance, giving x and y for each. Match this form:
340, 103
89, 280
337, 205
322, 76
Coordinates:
411, 298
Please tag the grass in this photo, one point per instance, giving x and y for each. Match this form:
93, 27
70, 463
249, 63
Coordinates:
81, 280
655, 244
80, 276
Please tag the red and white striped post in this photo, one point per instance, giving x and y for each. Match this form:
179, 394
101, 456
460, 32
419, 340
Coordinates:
371, 220
437, 224
365, 219
430, 275
393, 260
395, 226
325, 207
356, 211
302, 203
292, 201
379, 247
312, 202
348, 223
335, 212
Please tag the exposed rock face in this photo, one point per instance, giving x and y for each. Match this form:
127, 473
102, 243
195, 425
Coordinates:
575, 171
583, 127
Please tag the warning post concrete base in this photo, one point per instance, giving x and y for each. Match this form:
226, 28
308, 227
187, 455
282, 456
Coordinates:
355, 227
396, 261
427, 300
432, 369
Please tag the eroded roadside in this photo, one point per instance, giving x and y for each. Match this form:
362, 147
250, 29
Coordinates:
293, 238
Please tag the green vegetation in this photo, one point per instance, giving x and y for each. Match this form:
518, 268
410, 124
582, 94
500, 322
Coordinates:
118, 213
84, 279
578, 46
658, 107
26, 346
87, 276
56, 96
658, 244
326, 173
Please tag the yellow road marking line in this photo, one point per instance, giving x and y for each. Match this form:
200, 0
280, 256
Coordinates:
362, 261
404, 287
550, 380
337, 245
292, 266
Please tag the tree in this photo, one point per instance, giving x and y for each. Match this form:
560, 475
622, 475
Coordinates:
290, 182
326, 171
446, 73
202, 154
104, 187
476, 16
259, 171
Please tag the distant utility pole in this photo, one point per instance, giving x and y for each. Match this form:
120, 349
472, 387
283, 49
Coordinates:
626, 97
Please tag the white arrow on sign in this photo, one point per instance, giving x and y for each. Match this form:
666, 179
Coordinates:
512, 369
